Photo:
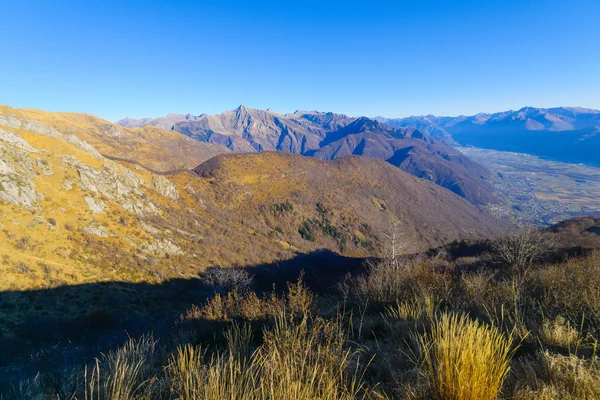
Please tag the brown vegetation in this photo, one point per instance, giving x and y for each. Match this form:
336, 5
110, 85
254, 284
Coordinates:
446, 327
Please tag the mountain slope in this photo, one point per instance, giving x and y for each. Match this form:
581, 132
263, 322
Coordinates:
413, 152
369, 189
428, 124
154, 148
328, 136
71, 215
246, 130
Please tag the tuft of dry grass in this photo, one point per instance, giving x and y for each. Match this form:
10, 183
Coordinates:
559, 332
557, 377
464, 359
415, 309
300, 359
125, 373
221, 377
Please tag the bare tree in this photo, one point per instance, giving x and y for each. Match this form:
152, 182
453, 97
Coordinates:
396, 245
386, 279
521, 248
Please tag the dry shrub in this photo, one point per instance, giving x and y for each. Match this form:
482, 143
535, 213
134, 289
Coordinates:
225, 279
301, 360
22, 243
387, 282
559, 332
235, 305
557, 377
464, 359
476, 288
572, 288
521, 248
300, 300
248, 306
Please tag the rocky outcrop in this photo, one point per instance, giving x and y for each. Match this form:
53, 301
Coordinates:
95, 206
115, 182
17, 173
165, 188
16, 141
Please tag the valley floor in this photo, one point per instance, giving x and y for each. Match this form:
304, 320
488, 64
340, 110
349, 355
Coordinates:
541, 191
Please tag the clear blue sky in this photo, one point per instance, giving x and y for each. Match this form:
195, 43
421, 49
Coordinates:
147, 58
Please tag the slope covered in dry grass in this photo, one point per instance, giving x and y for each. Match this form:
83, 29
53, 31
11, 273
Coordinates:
459, 323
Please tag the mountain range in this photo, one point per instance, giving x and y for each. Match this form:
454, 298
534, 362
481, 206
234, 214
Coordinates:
327, 136
85, 200
568, 134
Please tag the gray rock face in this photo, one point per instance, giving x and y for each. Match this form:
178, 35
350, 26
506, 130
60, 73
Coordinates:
115, 182
97, 230
112, 131
165, 188
12, 139
17, 176
163, 246
96, 206
11, 121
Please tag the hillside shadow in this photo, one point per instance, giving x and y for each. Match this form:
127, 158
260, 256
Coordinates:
69, 323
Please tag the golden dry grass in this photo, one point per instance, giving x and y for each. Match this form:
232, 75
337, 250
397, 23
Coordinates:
465, 360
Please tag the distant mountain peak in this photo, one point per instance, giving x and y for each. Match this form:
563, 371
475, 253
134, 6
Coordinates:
365, 123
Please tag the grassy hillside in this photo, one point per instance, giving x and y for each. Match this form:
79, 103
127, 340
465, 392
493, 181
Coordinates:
72, 215
512, 318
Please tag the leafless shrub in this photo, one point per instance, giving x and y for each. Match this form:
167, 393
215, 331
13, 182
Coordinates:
22, 268
225, 279
22, 243
385, 282
521, 248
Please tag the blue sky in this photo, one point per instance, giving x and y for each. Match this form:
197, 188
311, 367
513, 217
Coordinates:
148, 58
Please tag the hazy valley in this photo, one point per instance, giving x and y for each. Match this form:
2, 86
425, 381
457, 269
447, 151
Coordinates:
541, 191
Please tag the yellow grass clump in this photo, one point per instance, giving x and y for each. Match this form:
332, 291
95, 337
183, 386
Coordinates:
465, 360
302, 360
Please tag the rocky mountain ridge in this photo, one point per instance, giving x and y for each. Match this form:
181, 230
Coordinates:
328, 136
